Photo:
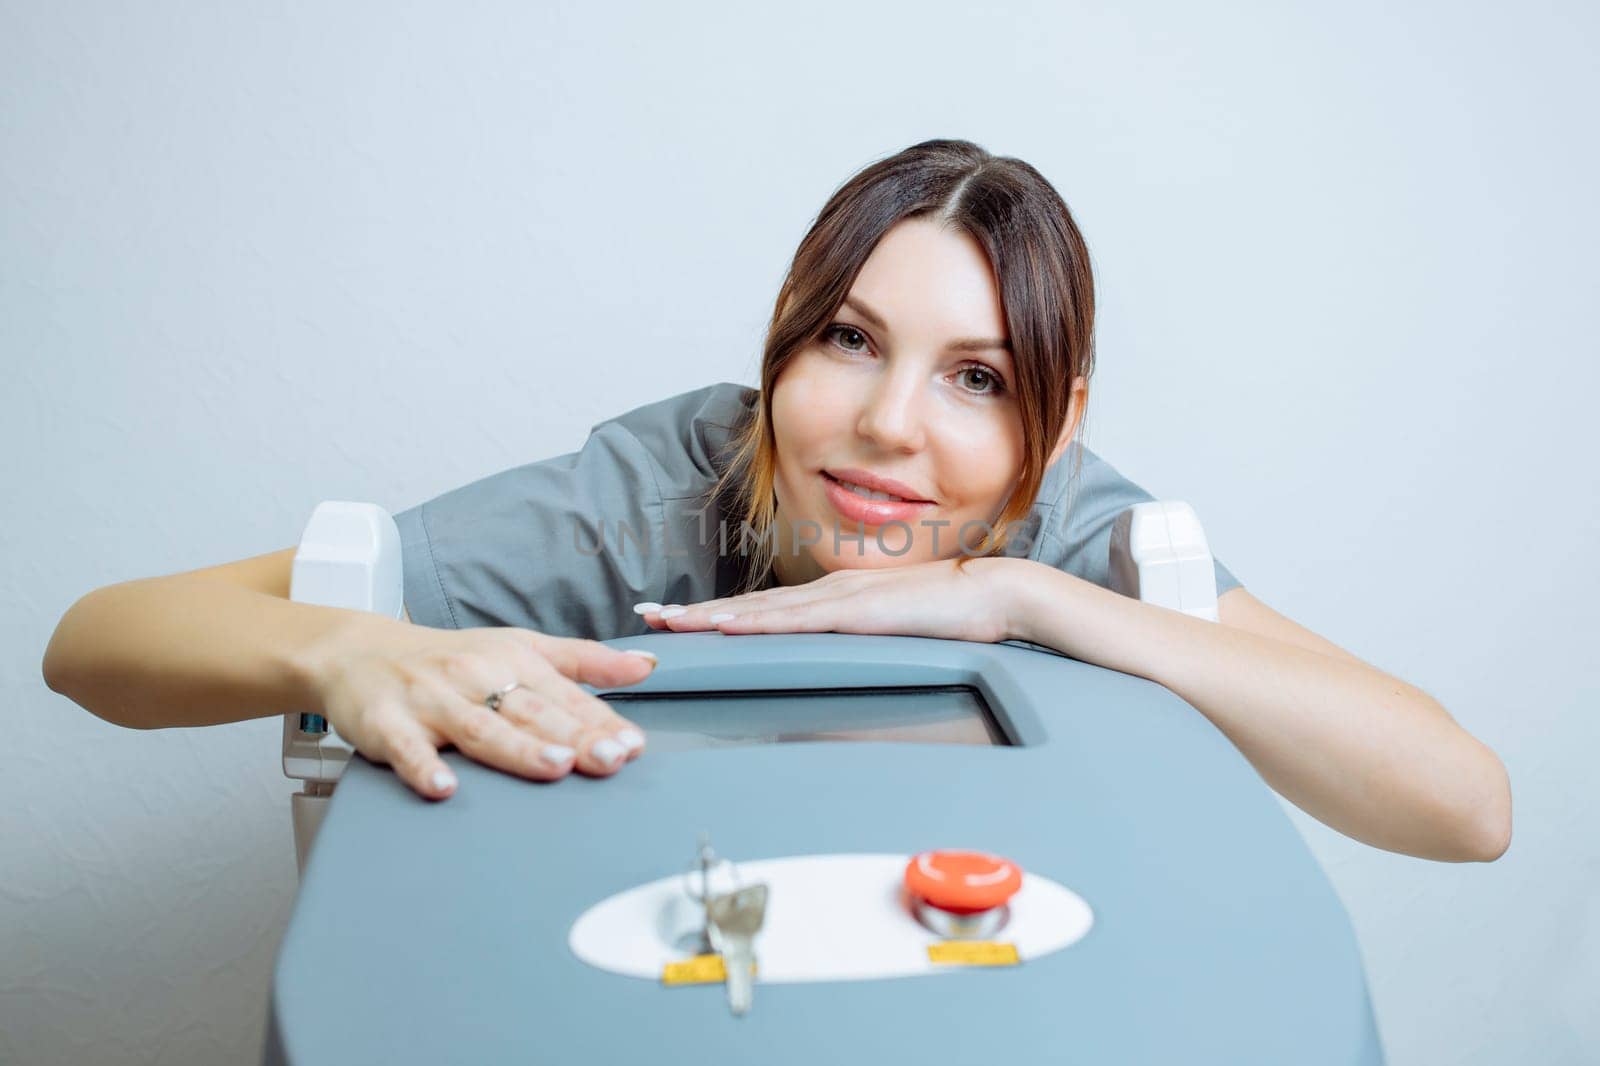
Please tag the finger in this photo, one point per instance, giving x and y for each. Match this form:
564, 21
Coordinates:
400, 740
699, 616
680, 618
491, 739
590, 662
750, 600
602, 751
597, 719
595, 740
832, 583
558, 707
822, 616
600, 740
651, 613
648, 610
605, 739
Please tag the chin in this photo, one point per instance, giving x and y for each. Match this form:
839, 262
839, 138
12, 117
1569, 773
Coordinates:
871, 560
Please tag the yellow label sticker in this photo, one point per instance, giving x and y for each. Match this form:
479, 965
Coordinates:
974, 953
700, 970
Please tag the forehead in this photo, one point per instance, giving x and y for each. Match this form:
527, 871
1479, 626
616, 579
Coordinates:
929, 275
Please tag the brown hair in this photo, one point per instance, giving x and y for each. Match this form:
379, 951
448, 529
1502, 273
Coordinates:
1046, 294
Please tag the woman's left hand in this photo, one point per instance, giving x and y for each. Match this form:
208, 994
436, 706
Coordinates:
931, 599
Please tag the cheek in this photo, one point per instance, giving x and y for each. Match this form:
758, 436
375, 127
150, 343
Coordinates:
985, 457
806, 417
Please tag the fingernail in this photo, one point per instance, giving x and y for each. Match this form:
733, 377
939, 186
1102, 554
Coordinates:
557, 754
719, 617
673, 612
631, 739
444, 779
608, 751
643, 654
646, 607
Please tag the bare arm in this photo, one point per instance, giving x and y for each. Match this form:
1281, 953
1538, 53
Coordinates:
226, 643
198, 648
1358, 749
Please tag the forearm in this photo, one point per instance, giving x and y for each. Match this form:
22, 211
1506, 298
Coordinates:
1366, 753
185, 651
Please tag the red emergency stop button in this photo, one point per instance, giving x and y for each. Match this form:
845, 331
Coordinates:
962, 882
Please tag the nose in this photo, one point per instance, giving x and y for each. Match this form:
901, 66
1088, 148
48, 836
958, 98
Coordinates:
892, 413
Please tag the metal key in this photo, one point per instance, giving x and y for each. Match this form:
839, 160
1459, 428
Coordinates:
697, 886
736, 918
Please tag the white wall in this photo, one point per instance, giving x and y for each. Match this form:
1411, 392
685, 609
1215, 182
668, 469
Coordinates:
255, 258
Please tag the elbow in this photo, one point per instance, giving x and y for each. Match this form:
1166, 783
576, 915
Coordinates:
1494, 837
51, 667
1491, 842
1489, 822
65, 676
60, 651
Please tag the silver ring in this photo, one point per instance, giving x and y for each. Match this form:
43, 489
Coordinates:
494, 698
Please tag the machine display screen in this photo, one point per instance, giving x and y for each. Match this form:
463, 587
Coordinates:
935, 714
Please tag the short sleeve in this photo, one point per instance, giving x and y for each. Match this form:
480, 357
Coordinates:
1075, 533
561, 546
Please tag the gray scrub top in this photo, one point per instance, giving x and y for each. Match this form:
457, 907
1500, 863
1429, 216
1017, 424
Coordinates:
568, 545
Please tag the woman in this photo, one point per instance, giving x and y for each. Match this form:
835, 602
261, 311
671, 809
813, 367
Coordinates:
896, 472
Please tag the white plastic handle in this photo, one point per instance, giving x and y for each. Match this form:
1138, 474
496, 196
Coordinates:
349, 556
1159, 555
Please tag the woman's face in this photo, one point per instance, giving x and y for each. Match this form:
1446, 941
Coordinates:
913, 381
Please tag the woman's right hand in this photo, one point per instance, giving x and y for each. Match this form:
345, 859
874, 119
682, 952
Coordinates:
398, 692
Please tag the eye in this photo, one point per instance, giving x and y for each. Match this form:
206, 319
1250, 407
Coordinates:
985, 375
839, 329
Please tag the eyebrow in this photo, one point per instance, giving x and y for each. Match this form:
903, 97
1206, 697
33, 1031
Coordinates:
965, 344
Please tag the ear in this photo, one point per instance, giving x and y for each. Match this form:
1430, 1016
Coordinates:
1075, 406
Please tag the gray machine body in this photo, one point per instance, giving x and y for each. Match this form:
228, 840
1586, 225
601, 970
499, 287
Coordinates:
429, 932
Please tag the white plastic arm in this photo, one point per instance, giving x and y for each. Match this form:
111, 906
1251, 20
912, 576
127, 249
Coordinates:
1159, 555
349, 556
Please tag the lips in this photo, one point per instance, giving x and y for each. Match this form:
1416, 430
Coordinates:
876, 483
869, 512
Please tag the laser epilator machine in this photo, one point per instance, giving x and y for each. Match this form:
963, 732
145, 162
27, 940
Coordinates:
836, 848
